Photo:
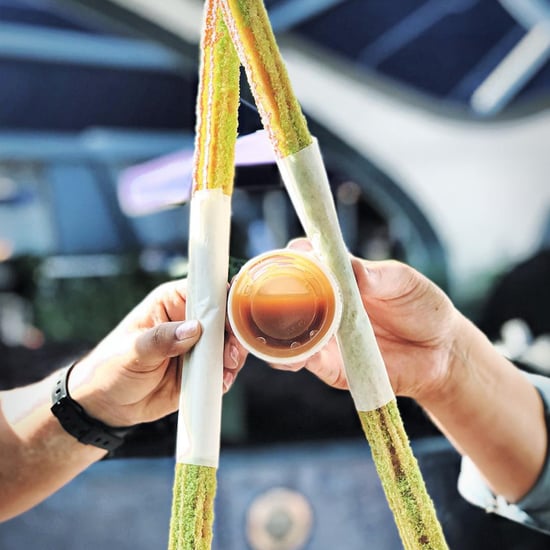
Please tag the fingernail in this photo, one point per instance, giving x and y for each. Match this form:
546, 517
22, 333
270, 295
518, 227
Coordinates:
234, 354
228, 378
187, 330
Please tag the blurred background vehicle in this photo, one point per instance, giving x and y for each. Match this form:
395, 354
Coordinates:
433, 120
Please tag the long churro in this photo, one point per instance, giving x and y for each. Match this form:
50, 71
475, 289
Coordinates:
217, 106
199, 421
254, 40
305, 178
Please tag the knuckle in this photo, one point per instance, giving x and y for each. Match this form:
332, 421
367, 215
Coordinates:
157, 337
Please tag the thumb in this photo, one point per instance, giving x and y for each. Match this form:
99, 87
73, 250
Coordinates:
389, 280
367, 274
167, 340
300, 244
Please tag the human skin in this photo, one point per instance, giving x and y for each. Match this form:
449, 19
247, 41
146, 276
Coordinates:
482, 403
131, 376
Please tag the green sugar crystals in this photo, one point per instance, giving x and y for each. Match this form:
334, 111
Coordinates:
192, 507
403, 484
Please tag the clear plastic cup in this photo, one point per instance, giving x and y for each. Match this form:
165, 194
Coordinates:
284, 306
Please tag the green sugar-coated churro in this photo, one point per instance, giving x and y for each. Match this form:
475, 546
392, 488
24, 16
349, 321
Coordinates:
192, 507
217, 106
304, 175
403, 483
253, 37
192, 517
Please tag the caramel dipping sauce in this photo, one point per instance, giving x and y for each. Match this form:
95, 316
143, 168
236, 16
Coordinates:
284, 306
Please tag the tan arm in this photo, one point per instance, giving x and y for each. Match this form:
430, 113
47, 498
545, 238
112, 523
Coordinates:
37, 456
492, 413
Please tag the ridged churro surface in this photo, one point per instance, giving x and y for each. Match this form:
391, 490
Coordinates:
217, 106
400, 475
269, 82
192, 508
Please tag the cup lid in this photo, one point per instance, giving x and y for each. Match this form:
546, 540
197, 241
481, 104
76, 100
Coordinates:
284, 305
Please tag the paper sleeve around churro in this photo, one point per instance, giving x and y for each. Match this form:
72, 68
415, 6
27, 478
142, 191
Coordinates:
199, 423
307, 184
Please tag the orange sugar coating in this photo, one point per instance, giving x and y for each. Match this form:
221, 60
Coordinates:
253, 37
217, 106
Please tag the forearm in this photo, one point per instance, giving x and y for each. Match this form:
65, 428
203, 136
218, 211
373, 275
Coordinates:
493, 414
38, 456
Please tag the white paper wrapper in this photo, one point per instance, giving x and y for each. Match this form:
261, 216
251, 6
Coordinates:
199, 420
307, 184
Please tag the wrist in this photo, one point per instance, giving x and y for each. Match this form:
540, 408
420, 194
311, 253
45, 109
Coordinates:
91, 392
475, 374
458, 369
74, 419
492, 413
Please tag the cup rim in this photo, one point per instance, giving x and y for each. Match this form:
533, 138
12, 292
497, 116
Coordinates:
332, 328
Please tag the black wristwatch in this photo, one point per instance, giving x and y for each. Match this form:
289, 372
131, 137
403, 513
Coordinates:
75, 421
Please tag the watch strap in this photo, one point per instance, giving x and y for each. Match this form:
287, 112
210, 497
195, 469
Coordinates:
74, 419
